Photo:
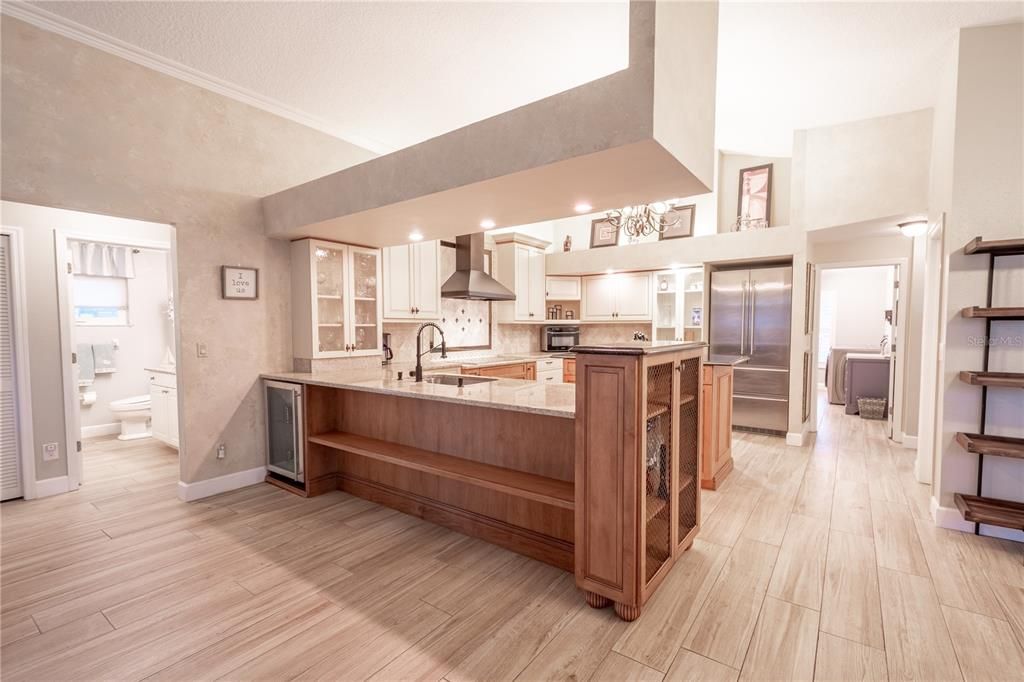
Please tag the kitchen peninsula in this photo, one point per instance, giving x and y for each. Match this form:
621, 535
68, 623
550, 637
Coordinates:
599, 477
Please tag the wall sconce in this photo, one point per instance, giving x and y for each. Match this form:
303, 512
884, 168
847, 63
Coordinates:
914, 228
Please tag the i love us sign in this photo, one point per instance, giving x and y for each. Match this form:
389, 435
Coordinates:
239, 282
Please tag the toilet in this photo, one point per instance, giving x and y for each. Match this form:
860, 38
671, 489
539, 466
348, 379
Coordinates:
134, 414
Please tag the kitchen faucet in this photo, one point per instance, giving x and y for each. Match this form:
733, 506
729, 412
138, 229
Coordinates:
418, 372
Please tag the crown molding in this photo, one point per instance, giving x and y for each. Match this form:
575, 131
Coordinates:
54, 23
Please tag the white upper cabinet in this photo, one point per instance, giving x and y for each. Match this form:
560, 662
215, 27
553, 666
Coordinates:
412, 286
520, 262
625, 296
336, 300
563, 288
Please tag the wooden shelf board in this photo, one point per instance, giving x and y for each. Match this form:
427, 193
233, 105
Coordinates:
655, 409
991, 511
996, 379
655, 505
518, 483
998, 247
974, 311
1000, 446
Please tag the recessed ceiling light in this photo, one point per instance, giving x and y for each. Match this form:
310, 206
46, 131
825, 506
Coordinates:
415, 236
487, 223
583, 207
914, 228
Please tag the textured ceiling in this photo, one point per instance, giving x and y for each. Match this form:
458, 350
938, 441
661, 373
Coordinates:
389, 74
383, 74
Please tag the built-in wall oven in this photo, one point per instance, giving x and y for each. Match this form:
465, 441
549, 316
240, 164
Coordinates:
285, 430
559, 339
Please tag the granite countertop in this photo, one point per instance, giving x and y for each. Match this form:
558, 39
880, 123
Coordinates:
721, 359
638, 347
556, 400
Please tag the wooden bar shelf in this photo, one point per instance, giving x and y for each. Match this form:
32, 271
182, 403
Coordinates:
518, 483
991, 511
1001, 446
980, 312
993, 379
996, 247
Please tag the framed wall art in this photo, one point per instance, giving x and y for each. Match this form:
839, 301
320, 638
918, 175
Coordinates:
683, 216
603, 233
754, 204
240, 283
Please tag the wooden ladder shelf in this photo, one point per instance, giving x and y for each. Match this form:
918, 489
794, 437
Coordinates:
977, 508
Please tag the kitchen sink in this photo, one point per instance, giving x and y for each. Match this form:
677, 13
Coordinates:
453, 379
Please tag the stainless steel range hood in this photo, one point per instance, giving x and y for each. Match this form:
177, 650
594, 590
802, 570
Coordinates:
469, 280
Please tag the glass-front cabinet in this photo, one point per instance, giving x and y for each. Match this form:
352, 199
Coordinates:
679, 305
336, 299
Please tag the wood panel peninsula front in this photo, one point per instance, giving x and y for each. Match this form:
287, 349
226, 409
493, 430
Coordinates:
600, 478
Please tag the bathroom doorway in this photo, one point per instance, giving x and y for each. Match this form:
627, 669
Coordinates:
858, 339
116, 299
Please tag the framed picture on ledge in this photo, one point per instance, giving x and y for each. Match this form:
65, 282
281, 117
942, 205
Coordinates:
683, 217
754, 204
603, 233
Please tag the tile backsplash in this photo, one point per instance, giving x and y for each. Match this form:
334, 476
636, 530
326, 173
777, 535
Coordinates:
506, 339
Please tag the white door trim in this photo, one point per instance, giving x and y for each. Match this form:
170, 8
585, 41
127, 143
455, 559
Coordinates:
72, 420
902, 318
23, 389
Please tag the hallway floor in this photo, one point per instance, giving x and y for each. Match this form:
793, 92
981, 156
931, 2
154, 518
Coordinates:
817, 562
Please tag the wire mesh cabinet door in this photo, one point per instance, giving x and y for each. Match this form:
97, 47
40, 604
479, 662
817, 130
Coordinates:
657, 478
688, 428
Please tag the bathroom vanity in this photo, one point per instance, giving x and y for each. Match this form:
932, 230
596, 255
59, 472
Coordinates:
600, 478
163, 400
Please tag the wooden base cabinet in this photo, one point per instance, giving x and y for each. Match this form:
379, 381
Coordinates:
716, 413
519, 370
638, 442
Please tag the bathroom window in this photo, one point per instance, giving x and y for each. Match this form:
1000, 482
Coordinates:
100, 300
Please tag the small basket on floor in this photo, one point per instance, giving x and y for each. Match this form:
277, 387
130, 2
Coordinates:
871, 408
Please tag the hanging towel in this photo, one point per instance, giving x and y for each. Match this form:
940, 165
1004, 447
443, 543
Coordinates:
101, 260
103, 356
86, 364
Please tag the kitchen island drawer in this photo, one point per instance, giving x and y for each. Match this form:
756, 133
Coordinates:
550, 376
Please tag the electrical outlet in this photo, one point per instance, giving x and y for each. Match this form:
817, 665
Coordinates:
222, 451
201, 350
51, 451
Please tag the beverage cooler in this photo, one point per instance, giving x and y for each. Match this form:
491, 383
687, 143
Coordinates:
285, 436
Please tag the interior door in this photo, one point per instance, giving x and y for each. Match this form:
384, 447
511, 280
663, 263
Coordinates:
398, 281
893, 348
727, 323
10, 443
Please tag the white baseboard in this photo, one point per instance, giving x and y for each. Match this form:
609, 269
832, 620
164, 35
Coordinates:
52, 486
910, 442
948, 517
101, 430
222, 484
795, 439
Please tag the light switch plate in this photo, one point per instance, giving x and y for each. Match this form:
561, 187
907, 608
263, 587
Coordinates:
50, 452
201, 350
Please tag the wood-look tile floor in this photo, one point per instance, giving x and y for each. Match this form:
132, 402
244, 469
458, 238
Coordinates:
817, 562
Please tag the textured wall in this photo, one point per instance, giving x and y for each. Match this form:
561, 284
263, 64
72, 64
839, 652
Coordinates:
85, 130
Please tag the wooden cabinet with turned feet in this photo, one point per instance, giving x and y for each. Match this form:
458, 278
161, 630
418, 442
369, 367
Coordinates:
637, 485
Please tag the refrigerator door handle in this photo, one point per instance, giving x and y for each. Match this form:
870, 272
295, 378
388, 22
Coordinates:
753, 309
743, 317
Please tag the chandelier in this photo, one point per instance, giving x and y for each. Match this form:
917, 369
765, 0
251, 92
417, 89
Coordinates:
642, 220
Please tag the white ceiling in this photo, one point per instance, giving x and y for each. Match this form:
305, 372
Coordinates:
788, 66
386, 75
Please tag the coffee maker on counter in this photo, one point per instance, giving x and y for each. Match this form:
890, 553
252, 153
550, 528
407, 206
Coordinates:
389, 354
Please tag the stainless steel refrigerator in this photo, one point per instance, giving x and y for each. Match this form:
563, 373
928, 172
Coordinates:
750, 311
